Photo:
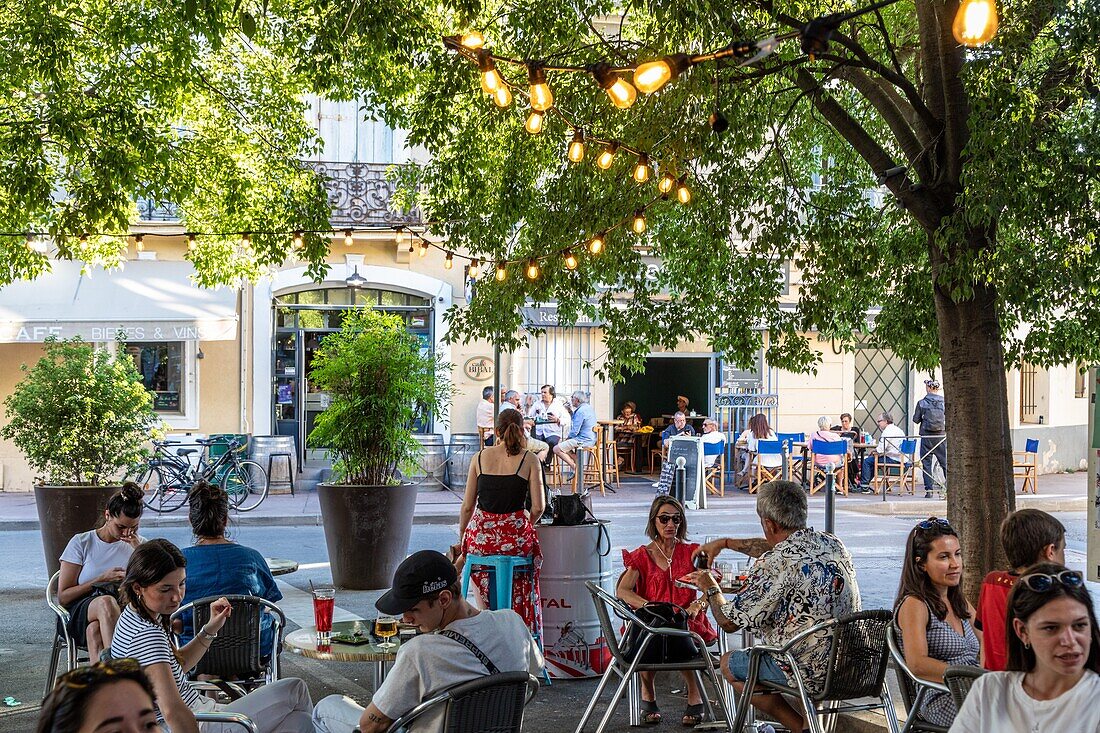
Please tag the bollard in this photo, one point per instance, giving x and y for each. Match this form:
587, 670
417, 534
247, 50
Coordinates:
830, 502
679, 479
786, 467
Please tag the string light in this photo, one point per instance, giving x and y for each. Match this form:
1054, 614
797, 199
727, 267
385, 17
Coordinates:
667, 181
607, 157
683, 193
450, 261
542, 98
532, 270
139, 243
621, 92
502, 97
975, 22
348, 239
246, 240
423, 249
490, 77
595, 245
534, 122
652, 75
191, 244
576, 146
474, 270
502, 272
570, 260
638, 222
641, 170
299, 241
472, 40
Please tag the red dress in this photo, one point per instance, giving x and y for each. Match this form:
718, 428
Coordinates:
655, 584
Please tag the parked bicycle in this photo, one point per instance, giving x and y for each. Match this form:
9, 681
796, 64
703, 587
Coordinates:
167, 476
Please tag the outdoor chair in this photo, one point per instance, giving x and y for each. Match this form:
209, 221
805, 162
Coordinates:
609, 453
627, 669
61, 637
858, 658
836, 448
593, 465
1025, 465
959, 678
903, 475
227, 718
482, 435
489, 704
762, 474
796, 458
715, 474
236, 654
913, 690
658, 454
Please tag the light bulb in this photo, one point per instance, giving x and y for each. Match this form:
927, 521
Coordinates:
472, 40
638, 223
83, 239
474, 269
139, 243
667, 181
683, 193
298, 240
502, 97
348, 240
190, 242
641, 170
542, 98
532, 270
576, 146
502, 272
570, 260
621, 92
595, 245
975, 22
423, 249
534, 122
607, 157
652, 75
449, 262
490, 77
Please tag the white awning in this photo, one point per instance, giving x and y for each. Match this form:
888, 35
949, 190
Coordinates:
148, 301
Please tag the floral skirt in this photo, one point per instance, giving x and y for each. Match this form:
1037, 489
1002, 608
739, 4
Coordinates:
507, 534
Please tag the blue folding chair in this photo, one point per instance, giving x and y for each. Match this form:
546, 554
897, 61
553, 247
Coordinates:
903, 474
715, 474
1025, 464
837, 448
766, 473
796, 457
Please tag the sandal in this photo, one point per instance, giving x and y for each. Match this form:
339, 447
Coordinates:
651, 714
693, 715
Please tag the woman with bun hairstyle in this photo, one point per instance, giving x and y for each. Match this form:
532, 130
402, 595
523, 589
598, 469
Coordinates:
504, 498
92, 566
217, 566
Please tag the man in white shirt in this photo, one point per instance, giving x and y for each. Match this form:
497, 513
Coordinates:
512, 402
888, 448
552, 420
458, 643
486, 415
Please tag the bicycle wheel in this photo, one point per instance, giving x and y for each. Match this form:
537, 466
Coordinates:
162, 493
246, 484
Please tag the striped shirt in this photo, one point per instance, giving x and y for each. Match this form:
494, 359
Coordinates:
149, 644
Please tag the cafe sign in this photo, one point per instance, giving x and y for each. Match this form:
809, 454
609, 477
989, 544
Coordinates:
478, 368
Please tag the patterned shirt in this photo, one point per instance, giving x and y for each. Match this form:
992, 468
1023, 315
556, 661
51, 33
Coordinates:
804, 580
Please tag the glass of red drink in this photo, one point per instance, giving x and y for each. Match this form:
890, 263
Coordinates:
324, 600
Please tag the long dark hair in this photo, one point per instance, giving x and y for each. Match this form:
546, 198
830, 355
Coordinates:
148, 565
208, 509
758, 424
915, 581
64, 708
510, 431
128, 500
1023, 602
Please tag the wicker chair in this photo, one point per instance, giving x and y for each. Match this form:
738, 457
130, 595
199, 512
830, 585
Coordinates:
488, 704
858, 659
959, 678
913, 690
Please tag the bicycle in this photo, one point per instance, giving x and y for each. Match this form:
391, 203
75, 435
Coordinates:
167, 477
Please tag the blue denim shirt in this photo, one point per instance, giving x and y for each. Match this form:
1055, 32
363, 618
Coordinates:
584, 420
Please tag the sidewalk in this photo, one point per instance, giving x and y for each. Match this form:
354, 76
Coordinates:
1062, 492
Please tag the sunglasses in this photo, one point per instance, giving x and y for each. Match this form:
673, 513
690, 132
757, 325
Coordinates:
82, 677
666, 518
1041, 582
935, 523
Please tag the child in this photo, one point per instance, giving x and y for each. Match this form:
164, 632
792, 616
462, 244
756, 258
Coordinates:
1028, 536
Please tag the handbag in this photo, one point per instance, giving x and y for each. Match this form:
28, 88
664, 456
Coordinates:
569, 510
661, 649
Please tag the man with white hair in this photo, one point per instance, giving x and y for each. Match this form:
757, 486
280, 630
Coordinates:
582, 432
534, 445
889, 449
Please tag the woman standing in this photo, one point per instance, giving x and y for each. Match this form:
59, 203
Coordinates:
217, 566
93, 565
151, 591
651, 571
495, 520
1053, 661
932, 615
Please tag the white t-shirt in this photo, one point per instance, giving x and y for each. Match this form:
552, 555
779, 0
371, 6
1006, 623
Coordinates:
889, 441
771, 460
94, 556
429, 663
997, 703
540, 411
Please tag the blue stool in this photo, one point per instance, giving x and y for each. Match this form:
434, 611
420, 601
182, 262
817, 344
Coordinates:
502, 568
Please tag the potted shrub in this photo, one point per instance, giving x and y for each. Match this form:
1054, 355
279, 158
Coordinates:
379, 384
81, 417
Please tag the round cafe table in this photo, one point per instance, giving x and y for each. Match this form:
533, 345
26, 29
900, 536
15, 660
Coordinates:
304, 642
281, 566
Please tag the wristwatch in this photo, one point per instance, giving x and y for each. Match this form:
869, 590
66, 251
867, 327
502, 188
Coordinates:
712, 591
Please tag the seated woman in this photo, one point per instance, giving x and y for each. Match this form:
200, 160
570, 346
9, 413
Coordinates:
626, 435
220, 567
106, 697
757, 430
826, 464
1052, 682
92, 566
630, 417
931, 614
650, 572
151, 591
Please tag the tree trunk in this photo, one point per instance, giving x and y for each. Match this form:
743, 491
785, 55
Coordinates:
979, 447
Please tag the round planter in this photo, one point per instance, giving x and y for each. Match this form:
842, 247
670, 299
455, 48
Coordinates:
367, 531
64, 511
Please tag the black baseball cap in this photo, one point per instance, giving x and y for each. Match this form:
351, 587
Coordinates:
419, 575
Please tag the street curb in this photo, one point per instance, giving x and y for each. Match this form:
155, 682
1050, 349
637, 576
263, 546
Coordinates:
300, 520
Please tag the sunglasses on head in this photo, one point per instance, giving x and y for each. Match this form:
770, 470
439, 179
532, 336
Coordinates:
83, 676
1042, 582
935, 523
666, 518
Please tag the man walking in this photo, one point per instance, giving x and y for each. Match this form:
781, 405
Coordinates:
931, 417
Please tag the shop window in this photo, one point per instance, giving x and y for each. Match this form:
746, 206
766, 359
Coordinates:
162, 370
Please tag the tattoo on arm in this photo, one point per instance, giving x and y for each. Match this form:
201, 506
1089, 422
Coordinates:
375, 718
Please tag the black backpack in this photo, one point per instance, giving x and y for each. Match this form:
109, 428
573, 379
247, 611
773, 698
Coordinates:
932, 418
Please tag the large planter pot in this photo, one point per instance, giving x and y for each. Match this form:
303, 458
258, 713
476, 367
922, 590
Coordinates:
64, 511
367, 531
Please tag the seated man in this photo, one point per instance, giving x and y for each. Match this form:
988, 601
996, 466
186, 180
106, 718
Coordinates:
888, 448
486, 415
802, 578
534, 445
470, 644
679, 426
714, 442
582, 430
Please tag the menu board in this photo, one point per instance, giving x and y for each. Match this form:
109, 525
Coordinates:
691, 450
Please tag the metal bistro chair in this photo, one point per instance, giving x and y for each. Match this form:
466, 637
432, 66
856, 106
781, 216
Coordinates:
913, 690
61, 637
489, 704
959, 678
1025, 465
236, 654
227, 718
858, 659
626, 669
